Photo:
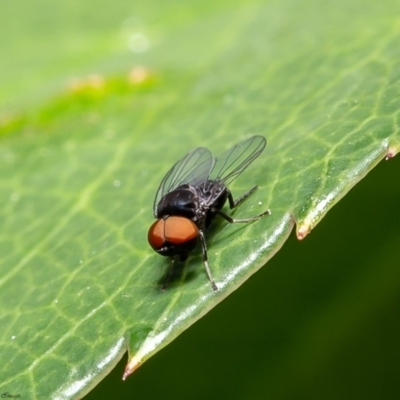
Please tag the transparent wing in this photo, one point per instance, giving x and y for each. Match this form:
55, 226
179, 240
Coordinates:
194, 168
229, 165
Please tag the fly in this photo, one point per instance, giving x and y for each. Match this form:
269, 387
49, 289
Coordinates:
190, 196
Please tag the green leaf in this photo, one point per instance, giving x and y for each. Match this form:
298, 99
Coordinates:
79, 283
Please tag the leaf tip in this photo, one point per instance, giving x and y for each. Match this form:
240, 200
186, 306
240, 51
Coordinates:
133, 364
392, 151
303, 231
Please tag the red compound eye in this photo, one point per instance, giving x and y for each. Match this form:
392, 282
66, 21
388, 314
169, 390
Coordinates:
156, 234
179, 230
174, 230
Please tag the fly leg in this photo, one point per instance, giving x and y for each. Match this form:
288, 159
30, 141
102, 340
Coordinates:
231, 220
205, 259
234, 203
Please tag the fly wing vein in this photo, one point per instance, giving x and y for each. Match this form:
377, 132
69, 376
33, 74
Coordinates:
193, 168
229, 165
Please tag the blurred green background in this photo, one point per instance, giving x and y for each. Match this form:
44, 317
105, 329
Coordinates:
320, 321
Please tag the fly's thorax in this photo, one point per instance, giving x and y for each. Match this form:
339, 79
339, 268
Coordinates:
182, 201
212, 194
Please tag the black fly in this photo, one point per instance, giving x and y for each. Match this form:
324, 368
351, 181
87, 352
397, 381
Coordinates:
192, 193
